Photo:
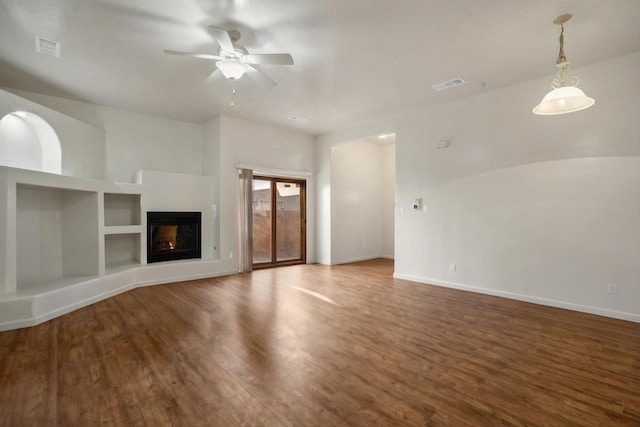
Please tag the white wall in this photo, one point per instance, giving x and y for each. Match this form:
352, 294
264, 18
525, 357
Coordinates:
264, 148
388, 200
211, 167
544, 209
558, 230
29, 142
19, 144
142, 142
82, 145
135, 141
324, 218
355, 202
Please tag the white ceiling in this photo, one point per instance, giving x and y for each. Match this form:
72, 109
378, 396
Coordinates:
355, 60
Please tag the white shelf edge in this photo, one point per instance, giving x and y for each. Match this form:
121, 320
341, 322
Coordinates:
122, 229
118, 267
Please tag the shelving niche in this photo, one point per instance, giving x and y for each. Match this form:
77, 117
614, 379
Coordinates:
63, 230
121, 209
121, 251
122, 231
58, 235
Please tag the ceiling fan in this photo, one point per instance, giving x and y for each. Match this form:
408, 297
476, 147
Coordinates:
233, 60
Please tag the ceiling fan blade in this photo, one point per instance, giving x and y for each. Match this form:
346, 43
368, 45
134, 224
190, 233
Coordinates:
269, 58
223, 39
194, 55
260, 77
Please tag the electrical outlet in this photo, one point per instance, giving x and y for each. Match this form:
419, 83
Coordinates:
230, 254
452, 267
612, 288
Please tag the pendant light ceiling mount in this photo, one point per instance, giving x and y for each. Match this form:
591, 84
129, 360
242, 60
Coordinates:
563, 98
562, 19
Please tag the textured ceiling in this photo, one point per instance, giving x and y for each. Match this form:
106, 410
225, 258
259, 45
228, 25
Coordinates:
355, 60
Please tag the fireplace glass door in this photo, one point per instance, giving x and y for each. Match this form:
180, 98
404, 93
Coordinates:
173, 236
278, 221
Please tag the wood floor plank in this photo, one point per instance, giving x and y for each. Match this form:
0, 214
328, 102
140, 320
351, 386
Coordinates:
313, 345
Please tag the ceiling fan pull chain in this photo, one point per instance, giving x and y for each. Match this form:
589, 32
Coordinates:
233, 92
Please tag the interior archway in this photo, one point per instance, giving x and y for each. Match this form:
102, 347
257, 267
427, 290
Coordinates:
27, 141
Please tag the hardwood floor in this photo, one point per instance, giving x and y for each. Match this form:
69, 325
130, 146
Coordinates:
313, 345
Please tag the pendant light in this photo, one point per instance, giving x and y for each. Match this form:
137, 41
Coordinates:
564, 97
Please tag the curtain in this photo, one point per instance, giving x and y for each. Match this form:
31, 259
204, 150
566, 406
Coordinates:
245, 220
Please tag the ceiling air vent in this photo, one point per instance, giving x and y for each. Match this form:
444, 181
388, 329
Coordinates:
449, 84
49, 47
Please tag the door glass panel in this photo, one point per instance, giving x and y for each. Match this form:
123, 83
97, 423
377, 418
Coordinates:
261, 221
288, 222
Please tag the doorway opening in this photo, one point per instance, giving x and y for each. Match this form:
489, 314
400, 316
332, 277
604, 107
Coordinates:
362, 199
279, 221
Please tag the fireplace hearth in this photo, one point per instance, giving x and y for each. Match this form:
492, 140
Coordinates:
173, 236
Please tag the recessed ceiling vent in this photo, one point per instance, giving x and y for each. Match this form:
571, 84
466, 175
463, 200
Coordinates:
49, 47
449, 84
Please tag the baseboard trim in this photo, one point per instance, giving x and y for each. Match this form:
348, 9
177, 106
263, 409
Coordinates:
621, 315
199, 276
57, 302
357, 259
60, 311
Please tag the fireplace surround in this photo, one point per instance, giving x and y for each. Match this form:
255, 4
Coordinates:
173, 236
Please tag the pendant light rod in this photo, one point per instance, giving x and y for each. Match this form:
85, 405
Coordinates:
560, 20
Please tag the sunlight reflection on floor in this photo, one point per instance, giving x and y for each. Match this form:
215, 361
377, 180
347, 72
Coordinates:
316, 295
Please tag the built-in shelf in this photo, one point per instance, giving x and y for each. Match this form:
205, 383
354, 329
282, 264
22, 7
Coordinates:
123, 229
57, 231
121, 248
121, 209
120, 266
66, 242
62, 230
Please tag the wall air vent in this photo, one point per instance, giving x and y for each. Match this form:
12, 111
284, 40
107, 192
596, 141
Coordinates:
49, 47
449, 84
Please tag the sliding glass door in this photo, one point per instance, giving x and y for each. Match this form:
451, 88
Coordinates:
278, 221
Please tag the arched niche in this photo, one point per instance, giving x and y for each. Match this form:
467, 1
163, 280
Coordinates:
27, 141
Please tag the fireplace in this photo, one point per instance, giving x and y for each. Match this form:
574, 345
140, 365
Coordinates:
173, 236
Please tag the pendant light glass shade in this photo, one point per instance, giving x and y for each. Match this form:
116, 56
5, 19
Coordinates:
562, 100
232, 68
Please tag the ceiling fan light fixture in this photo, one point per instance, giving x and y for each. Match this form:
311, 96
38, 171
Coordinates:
563, 98
232, 69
